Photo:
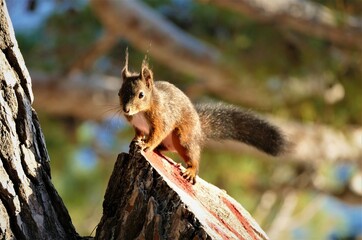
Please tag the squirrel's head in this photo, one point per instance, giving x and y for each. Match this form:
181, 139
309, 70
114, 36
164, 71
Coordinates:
136, 89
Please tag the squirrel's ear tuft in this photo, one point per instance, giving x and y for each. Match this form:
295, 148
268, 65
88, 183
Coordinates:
125, 72
147, 76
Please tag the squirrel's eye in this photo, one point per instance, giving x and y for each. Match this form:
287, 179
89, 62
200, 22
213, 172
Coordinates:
141, 95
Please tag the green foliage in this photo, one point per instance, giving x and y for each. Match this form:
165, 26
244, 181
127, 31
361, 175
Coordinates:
64, 35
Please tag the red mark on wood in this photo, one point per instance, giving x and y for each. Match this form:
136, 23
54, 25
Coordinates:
218, 230
170, 169
241, 218
231, 229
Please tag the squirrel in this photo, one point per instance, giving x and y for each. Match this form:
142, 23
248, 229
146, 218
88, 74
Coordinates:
165, 119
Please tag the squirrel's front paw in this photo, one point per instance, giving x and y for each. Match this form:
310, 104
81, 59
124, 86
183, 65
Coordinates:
138, 145
135, 146
189, 174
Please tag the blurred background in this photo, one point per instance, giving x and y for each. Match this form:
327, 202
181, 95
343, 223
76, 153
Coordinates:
298, 63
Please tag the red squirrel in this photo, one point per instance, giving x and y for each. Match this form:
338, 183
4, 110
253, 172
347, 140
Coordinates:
165, 119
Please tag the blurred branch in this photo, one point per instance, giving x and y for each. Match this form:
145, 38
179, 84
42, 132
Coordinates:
317, 143
264, 208
302, 180
176, 49
290, 90
314, 144
304, 16
99, 48
284, 216
308, 212
77, 95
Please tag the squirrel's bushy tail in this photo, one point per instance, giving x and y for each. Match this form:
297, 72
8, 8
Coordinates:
221, 121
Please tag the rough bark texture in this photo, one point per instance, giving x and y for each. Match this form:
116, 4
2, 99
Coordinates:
30, 207
147, 198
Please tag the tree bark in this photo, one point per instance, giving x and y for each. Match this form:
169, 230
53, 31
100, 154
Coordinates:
147, 198
30, 207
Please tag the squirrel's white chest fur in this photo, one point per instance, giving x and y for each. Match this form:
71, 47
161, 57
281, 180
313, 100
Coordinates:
139, 121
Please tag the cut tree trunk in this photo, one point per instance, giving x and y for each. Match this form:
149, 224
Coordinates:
30, 207
147, 198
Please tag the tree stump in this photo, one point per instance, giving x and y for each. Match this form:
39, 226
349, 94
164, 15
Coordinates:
147, 198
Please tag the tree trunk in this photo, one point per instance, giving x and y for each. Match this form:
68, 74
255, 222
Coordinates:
30, 207
147, 198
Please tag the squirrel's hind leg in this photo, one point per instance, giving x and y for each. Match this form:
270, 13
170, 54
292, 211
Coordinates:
189, 150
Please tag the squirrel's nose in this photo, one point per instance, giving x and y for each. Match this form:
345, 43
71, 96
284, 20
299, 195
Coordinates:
126, 109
